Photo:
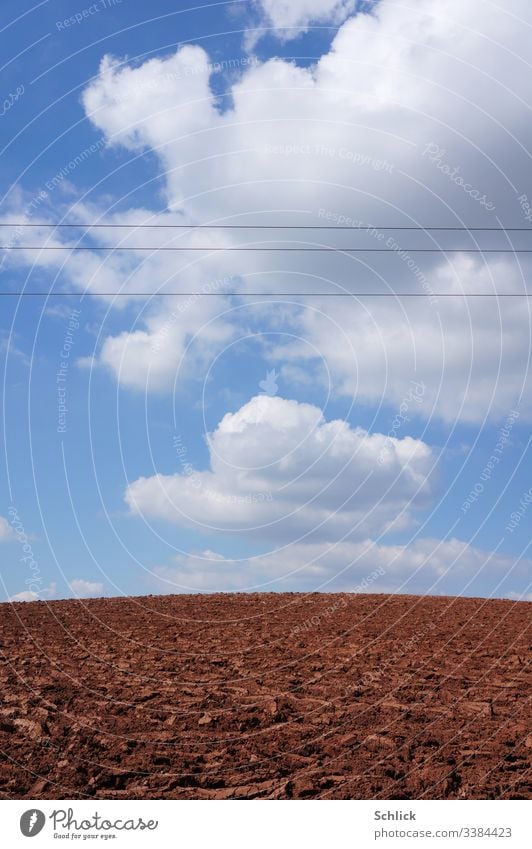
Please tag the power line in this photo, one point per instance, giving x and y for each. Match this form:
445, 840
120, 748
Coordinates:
232, 249
432, 295
417, 227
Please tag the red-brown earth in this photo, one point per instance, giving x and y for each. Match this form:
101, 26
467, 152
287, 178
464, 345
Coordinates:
272, 696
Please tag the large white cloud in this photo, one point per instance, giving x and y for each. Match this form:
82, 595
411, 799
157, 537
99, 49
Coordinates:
449, 567
352, 135
280, 471
391, 83
416, 113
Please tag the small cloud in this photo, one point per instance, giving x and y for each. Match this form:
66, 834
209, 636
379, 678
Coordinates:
8, 347
86, 589
7, 533
514, 596
287, 21
65, 313
59, 311
30, 595
25, 596
89, 362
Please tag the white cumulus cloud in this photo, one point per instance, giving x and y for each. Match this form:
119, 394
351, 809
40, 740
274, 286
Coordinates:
353, 135
279, 470
86, 589
416, 114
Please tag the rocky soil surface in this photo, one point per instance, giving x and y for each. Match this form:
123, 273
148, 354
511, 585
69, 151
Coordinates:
273, 696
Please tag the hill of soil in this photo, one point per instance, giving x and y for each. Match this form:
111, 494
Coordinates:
273, 696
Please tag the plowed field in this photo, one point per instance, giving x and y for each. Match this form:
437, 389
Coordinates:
266, 696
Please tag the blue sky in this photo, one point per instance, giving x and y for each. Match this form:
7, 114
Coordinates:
231, 439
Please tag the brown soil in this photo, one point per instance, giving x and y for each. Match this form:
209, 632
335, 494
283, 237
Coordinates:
273, 696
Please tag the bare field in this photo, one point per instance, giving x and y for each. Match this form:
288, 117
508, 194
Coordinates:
273, 696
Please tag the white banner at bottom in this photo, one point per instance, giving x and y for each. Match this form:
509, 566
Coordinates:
275, 825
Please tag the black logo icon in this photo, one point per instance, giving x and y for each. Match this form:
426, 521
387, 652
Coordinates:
32, 822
